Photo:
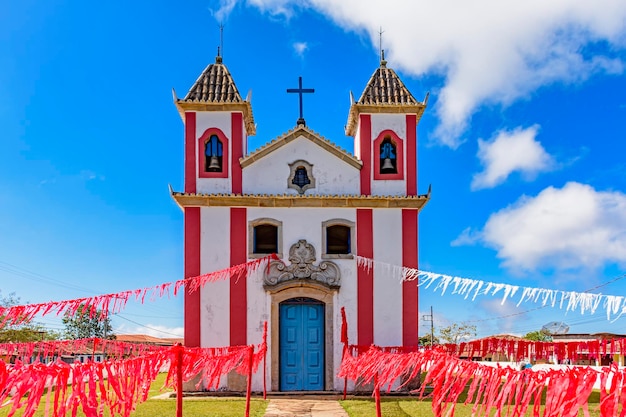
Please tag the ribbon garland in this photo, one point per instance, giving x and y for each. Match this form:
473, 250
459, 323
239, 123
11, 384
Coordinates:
507, 391
117, 384
521, 349
114, 303
614, 305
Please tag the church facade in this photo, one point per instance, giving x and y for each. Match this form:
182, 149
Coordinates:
318, 208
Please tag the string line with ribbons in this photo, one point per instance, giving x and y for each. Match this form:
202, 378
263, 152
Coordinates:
507, 391
118, 384
614, 305
106, 304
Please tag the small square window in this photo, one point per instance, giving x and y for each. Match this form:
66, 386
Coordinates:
338, 239
265, 239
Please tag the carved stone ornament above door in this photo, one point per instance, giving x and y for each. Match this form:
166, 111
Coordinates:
302, 256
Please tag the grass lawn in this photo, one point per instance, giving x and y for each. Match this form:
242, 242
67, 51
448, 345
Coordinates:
403, 407
196, 407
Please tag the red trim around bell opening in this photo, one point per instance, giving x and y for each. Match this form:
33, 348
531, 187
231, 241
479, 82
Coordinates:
225, 154
399, 143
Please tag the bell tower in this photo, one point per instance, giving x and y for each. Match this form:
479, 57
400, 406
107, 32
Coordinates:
383, 123
217, 124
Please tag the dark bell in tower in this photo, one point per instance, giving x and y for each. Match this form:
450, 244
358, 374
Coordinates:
214, 164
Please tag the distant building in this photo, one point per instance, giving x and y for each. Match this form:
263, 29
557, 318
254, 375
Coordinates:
148, 340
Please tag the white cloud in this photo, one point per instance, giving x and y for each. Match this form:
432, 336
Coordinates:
226, 7
487, 51
467, 237
509, 152
300, 48
574, 227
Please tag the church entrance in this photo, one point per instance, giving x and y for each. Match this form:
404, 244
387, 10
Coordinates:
301, 340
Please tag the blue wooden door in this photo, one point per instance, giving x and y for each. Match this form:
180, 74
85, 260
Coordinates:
301, 345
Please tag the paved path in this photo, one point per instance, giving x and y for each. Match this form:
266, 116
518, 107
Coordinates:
304, 408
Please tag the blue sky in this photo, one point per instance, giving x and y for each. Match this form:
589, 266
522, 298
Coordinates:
523, 139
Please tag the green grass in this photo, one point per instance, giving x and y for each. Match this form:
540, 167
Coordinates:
393, 407
196, 407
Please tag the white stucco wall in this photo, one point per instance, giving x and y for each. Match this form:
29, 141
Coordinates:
222, 121
395, 122
387, 288
215, 296
269, 175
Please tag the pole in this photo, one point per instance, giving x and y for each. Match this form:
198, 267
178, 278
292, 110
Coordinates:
179, 380
265, 360
249, 387
432, 328
377, 396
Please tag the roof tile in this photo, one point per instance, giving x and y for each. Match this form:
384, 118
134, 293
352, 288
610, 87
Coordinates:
385, 87
215, 85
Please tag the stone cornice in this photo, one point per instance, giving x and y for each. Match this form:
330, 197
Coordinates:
244, 107
292, 200
356, 109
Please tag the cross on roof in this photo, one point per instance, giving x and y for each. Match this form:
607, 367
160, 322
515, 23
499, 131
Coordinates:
300, 90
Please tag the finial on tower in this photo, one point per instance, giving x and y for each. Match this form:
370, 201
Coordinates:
383, 63
222, 37
220, 49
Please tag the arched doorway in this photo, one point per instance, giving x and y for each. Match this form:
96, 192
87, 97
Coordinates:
301, 344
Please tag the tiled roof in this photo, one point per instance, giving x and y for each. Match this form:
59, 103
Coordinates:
295, 133
215, 85
385, 87
215, 90
384, 93
297, 200
144, 338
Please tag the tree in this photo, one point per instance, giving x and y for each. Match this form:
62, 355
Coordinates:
456, 332
425, 340
82, 325
538, 336
25, 332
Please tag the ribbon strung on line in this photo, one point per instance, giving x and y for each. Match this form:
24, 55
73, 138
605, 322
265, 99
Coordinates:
614, 305
113, 303
506, 390
117, 385
517, 350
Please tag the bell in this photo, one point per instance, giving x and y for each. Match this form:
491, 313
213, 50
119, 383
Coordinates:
214, 163
388, 165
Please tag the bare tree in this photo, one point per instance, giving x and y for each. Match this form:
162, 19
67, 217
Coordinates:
457, 332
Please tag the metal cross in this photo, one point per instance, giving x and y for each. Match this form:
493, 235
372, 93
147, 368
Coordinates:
300, 90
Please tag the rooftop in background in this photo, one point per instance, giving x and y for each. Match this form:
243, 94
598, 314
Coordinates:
145, 339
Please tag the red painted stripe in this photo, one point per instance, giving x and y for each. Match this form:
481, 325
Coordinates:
365, 278
411, 154
410, 311
192, 269
238, 293
237, 144
190, 152
365, 138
